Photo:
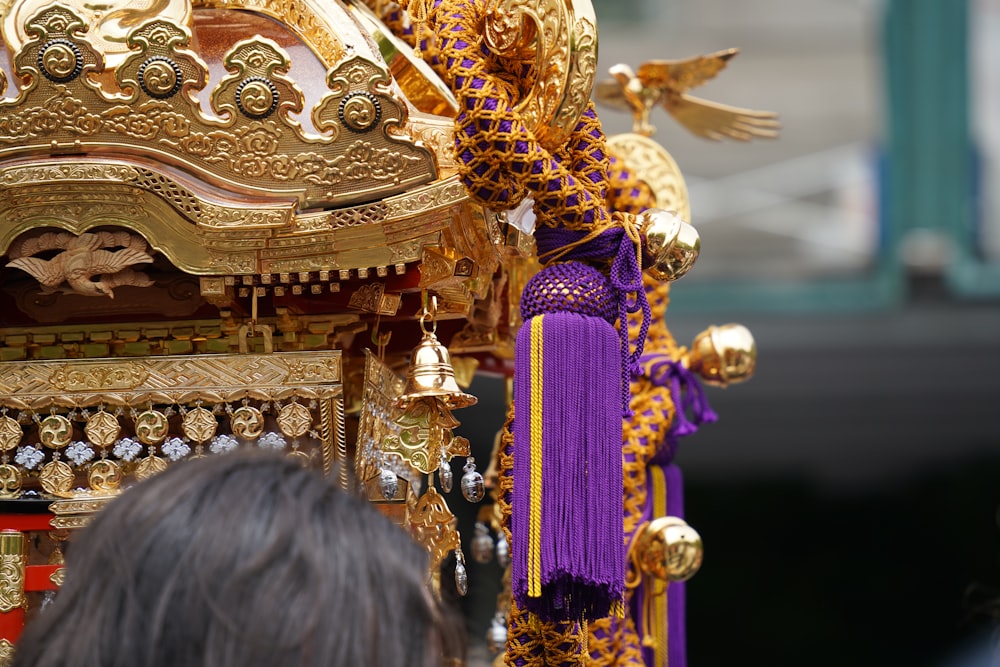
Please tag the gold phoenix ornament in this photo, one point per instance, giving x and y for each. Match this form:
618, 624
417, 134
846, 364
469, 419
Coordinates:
666, 82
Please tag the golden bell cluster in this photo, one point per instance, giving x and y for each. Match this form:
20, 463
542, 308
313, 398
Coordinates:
723, 355
669, 549
430, 394
672, 243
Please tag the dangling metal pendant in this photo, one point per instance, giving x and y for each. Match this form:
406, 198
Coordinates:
482, 544
503, 551
446, 476
496, 635
389, 484
461, 576
473, 486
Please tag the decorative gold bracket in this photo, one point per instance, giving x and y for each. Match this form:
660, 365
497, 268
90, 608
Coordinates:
564, 37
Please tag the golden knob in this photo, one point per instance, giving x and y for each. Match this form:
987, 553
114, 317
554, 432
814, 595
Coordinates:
724, 354
672, 243
669, 549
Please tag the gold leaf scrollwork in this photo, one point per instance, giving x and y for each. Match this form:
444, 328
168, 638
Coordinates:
11, 572
199, 424
10, 433
149, 466
425, 433
56, 478
102, 428
10, 481
247, 422
294, 419
6, 653
434, 526
105, 476
151, 427
55, 431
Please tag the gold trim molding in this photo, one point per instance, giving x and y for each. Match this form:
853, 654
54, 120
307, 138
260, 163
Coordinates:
172, 380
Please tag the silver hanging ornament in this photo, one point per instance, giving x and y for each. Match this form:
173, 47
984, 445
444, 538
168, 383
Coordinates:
482, 544
496, 635
473, 486
389, 484
446, 475
503, 551
461, 576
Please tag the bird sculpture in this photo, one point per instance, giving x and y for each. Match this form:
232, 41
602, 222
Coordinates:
666, 82
82, 258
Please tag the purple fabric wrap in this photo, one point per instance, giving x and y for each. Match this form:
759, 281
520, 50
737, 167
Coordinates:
582, 560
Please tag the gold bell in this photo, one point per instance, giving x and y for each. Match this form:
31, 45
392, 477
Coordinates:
724, 354
669, 549
673, 244
431, 375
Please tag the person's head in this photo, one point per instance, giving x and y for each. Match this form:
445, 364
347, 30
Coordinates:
240, 560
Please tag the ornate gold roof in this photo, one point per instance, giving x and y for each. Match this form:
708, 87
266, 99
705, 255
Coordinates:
255, 139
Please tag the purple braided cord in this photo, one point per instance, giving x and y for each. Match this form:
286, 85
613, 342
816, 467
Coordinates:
691, 408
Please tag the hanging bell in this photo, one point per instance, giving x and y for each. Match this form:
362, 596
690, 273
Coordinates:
473, 486
503, 551
482, 544
724, 355
431, 375
446, 475
669, 549
461, 576
496, 635
388, 484
670, 244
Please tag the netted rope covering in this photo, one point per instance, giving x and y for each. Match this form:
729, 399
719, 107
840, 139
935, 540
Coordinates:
501, 160
626, 191
614, 642
572, 287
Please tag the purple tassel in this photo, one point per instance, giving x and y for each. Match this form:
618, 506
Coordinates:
580, 559
676, 591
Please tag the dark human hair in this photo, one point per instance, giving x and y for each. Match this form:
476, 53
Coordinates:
240, 560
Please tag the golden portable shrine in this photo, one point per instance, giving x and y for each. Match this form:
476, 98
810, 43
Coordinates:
300, 226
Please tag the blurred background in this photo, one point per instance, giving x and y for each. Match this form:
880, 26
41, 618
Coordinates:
849, 494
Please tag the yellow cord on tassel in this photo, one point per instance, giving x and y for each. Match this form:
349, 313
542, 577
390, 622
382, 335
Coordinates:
535, 488
657, 598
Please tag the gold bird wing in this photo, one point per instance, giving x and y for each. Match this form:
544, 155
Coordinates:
610, 92
107, 262
715, 121
48, 272
682, 75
